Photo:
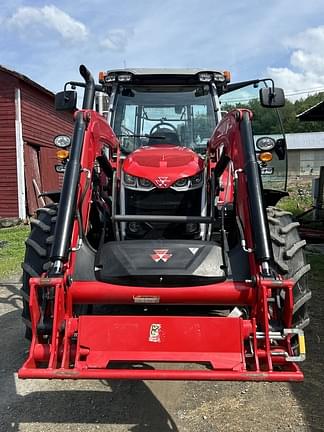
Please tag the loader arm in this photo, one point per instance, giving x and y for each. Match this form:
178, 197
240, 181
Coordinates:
232, 142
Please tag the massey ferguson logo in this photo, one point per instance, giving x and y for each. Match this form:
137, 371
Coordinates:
161, 255
162, 182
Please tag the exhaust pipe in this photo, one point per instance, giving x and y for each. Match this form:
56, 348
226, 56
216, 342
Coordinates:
89, 92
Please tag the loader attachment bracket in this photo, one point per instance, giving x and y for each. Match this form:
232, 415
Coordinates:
111, 346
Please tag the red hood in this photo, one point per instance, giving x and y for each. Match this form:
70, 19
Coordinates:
167, 161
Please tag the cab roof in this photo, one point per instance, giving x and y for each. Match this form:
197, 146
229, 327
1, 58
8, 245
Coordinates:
160, 76
162, 71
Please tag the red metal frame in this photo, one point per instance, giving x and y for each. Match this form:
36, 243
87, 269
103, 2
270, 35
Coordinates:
85, 347
89, 346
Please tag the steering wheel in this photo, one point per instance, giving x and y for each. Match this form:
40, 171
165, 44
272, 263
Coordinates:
158, 126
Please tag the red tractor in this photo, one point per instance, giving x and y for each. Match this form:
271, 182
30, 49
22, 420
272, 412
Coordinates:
164, 246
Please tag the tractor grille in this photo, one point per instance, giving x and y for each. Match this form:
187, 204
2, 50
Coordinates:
163, 202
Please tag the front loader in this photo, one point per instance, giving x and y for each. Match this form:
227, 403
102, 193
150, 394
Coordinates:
164, 249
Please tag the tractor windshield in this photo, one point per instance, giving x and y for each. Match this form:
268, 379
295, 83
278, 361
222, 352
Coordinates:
154, 115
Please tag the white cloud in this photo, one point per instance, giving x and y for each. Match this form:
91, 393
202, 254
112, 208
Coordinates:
150, 33
306, 69
311, 38
116, 39
28, 18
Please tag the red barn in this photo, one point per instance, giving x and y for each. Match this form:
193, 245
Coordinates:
28, 124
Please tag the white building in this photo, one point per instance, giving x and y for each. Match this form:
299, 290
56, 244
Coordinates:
305, 152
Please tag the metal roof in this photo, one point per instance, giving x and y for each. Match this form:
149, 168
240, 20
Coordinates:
314, 113
162, 71
301, 141
26, 79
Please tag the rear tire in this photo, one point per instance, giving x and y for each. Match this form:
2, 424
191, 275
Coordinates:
290, 261
38, 247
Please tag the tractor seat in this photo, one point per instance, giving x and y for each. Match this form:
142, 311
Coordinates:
169, 137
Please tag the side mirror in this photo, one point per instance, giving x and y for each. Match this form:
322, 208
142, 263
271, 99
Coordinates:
272, 97
66, 100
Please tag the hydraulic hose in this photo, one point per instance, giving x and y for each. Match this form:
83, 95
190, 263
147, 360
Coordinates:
67, 205
258, 217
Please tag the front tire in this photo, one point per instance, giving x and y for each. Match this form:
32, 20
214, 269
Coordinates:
38, 247
289, 260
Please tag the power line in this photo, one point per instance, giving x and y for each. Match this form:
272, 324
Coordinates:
299, 92
316, 90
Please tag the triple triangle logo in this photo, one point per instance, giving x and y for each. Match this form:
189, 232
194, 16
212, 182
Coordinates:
161, 255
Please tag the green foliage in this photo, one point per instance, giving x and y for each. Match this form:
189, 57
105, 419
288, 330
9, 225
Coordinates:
12, 250
265, 120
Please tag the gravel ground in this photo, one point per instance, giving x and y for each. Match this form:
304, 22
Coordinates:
38, 406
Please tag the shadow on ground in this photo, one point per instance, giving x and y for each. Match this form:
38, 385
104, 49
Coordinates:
203, 407
97, 403
310, 393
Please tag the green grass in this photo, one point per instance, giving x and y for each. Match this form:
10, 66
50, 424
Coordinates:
12, 253
300, 196
295, 205
317, 265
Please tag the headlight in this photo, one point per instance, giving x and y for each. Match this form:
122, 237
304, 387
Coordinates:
62, 141
205, 77
189, 182
137, 182
219, 77
145, 183
129, 180
124, 77
110, 77
197, 179
181, 182
265, 143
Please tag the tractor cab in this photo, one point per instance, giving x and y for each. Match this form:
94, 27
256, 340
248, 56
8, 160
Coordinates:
177, 109
163, 119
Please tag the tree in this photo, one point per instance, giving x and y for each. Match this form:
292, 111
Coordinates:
265, 120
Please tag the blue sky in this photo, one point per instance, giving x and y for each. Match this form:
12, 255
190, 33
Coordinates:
283, 39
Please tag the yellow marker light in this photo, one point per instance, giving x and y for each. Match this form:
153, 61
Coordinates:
302, 347
265, 157
227, 75
102, 76
62, 154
